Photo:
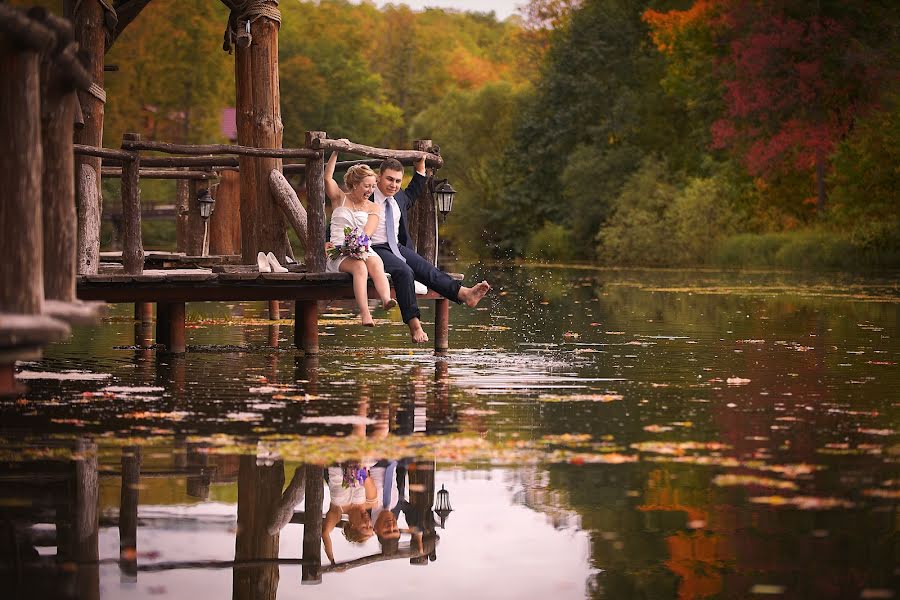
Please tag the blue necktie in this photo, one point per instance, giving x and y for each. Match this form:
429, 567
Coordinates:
389, 227
388, 481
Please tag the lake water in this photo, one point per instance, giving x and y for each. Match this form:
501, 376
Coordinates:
598, 433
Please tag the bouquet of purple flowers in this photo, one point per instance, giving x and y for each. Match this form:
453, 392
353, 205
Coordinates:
356, 244
353, 475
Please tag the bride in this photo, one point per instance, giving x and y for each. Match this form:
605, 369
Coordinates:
353, 209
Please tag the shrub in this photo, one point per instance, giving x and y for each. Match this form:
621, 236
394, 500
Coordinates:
551, 242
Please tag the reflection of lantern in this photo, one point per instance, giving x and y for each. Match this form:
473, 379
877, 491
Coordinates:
206, 202
442, 509
443, 194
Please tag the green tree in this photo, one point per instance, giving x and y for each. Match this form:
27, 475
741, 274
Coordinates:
472, 161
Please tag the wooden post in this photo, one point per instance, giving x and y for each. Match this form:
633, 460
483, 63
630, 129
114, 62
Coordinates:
315, 199
311, 572
143, 311
59, 216
86, 528
243, 76
88, 220
225, 222
196, 226
426, 215
132, 242
306, 326
90, 33
259, 490
271, 229
21, 164
274, 310
174, 328
128, 511
8, 386
441, 325
163, 323
290, 205
182, 210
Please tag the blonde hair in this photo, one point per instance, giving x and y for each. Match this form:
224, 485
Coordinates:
356, 174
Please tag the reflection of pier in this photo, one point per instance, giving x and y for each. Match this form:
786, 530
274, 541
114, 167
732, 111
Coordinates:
55, 505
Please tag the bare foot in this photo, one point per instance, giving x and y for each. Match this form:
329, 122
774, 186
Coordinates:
471, 296
415, 330
367, 320
388, 304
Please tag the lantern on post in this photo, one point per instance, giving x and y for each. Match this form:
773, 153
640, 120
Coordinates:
443, 195
442, 506
206, 202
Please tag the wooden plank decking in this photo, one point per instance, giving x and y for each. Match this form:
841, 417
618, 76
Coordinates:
172, 288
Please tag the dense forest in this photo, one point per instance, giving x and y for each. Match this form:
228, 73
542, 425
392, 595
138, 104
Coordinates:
622, 132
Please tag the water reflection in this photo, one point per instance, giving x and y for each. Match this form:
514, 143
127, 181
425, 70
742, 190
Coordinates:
602, 434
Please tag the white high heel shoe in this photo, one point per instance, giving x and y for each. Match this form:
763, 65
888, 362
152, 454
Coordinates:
262, 261
276, 266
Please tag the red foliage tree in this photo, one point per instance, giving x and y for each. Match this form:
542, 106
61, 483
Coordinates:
795, 75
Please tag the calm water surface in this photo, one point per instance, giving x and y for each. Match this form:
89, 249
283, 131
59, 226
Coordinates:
601, 434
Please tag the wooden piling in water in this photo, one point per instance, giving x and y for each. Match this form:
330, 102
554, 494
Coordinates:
441, 325
306, 326
128, 511
311, 572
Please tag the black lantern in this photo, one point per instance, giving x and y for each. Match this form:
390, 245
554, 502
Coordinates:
207, 203
443, 194
442, 508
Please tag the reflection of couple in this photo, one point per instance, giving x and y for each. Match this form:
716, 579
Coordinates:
370, 500
384, 219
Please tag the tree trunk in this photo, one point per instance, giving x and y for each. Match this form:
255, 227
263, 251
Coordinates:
90, 34
820, 182
21, 164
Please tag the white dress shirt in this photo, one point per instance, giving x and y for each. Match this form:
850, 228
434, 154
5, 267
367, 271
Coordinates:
380, 234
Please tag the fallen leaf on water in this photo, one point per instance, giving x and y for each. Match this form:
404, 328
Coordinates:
657, 428
737, 381
752, 480
803, 502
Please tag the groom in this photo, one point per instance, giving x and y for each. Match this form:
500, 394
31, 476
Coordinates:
391, 242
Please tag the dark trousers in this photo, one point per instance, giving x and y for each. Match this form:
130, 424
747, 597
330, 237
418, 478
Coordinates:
403, 275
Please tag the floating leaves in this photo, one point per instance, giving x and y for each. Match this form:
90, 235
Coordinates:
605, 397
804, 502
752, 480
62, 376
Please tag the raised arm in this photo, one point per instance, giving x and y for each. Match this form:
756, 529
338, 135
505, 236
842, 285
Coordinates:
332, 190
417, 184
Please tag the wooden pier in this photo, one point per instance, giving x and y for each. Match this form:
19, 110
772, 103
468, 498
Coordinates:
172, 289
52, 160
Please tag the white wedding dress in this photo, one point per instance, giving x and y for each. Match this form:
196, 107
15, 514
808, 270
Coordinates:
344, 216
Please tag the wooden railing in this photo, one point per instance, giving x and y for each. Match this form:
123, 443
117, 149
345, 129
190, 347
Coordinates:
199, 162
